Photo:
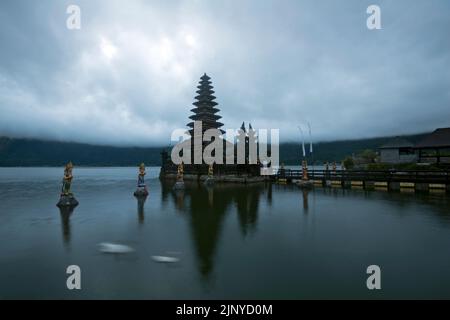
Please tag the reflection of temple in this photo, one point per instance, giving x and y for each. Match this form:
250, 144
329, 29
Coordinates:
205, 111
207, 209
247, 208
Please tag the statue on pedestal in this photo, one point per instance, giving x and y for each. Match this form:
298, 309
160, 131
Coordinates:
305, 182
141, 190
210, 179
180, 182
67, 199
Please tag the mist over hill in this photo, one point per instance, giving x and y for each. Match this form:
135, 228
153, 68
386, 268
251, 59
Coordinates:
32, 152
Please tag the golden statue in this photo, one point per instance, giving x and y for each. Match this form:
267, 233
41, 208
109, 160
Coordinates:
179, 184
304, 170
67, 180
141, 186
67, 199
180, 172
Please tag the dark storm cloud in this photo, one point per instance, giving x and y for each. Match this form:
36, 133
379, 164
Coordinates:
129, 75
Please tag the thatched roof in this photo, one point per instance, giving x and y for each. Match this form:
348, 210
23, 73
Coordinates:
396, 143
440, 138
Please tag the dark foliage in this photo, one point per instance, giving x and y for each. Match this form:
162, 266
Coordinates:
30, 152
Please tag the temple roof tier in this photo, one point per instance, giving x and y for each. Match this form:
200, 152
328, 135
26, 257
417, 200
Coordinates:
202, 116
203, 108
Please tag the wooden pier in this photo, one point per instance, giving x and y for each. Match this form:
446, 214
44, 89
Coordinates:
420, 180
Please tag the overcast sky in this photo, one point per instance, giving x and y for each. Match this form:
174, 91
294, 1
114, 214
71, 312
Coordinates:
129, 75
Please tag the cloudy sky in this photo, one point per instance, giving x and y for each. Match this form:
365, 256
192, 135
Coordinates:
129, 75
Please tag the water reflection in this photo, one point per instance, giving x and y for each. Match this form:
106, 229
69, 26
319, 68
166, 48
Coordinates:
65, 213
140, 209
305, 193
206, 207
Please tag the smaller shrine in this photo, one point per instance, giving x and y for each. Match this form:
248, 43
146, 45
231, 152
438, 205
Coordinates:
67, 198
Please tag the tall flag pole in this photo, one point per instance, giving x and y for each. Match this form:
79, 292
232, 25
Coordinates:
310, 139
311, 146
303, 141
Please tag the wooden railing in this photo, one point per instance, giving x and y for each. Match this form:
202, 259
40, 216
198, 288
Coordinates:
418, 176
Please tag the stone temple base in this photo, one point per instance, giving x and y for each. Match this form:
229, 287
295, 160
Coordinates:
306, 184
67, 201
140, 193
179, 185
219, 178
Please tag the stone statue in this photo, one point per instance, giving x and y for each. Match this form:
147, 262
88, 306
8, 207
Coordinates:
304, 170
211, 170
67, 180
67, 199
305, 183
141, 190
180, 181
210, 179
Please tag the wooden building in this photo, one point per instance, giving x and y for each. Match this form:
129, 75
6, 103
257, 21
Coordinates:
435, 147
397, 150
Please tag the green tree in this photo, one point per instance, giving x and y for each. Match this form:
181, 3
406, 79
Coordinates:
368, 155
348, 163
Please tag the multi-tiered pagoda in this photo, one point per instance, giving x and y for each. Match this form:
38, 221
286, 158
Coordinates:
205, 111
205, 107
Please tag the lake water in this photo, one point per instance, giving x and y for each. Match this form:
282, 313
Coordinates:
233, 242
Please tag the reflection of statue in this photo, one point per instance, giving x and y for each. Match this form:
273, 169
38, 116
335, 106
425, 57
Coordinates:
179, 203
67, 199
210, 190
66, 212
141, 190
305, 200
141, 202
180, 182
269, 194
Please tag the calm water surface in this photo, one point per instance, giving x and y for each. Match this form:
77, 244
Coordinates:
234, 242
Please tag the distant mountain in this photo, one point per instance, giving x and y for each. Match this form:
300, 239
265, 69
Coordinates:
32, 152
290, 153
